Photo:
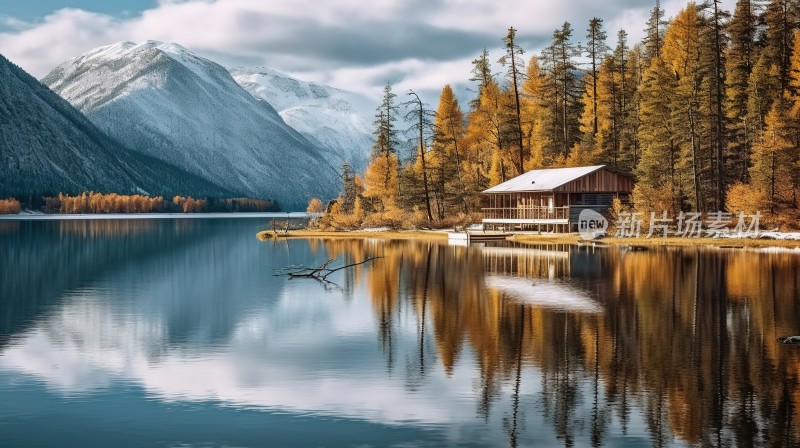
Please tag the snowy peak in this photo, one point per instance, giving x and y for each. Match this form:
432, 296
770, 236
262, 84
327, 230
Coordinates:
166, 102
109, 72
284, 92
47, 146
331, 117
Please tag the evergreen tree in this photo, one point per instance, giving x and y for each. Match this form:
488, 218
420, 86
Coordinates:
562, 88
781, 19
654, 38
739, 61
716, 80
658, 166
629, 135
385, 129
774, 159
596, 50
516, 72
381, 177
448, 144
487, 134
534, 117
420, 117
683, 54
482, 74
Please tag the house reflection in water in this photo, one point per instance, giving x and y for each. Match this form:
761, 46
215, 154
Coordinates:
682, 339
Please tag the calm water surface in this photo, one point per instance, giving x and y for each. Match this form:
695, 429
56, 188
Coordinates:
177, 333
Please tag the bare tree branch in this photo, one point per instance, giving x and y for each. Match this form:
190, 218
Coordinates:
320, 273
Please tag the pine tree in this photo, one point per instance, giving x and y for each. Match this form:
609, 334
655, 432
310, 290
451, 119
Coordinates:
716, 78
739, 61
516, 68
781, 19
683, 54
596, 49
486, 133
482, 74
381, 182
534, 117
761, 88
654, 38
794, 119
601, 146
448, 143
773, 158
381, 177
627, 67
350, 192
385, 129
658, 167
420, 117
562, 88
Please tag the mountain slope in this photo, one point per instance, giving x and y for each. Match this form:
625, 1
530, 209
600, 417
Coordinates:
331, 117
46, 147
164, 101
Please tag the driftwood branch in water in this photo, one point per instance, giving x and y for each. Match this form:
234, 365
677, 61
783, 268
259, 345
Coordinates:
322, 272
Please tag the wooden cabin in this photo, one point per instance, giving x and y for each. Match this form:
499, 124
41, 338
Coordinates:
551, 199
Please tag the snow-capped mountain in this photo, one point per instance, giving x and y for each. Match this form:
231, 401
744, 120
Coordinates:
164, 101
46, 147
331, 117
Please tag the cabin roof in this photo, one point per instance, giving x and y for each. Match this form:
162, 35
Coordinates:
543, 180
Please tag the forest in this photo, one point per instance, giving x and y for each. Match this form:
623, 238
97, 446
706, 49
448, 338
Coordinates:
704, 112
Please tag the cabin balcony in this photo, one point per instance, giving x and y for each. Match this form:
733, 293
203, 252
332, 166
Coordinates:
531, 215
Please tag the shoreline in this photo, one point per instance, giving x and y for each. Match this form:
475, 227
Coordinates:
721, 243
267, 235
121, 216
533, 239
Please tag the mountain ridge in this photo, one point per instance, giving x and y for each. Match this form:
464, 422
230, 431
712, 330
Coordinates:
48, 147
329, 116
164, 101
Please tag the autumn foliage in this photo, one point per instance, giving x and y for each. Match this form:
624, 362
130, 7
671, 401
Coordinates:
104, 203
704, 112
115, 203
189, 204
9, 206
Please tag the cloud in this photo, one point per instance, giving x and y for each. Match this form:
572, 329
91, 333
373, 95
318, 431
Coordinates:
353, 44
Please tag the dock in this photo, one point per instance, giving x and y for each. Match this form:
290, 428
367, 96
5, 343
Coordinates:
465, 238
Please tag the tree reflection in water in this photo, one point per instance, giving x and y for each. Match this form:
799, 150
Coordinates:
686, 337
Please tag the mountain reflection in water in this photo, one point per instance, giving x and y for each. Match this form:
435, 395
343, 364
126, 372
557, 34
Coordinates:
431, 344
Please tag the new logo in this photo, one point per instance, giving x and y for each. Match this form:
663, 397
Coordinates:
591, 224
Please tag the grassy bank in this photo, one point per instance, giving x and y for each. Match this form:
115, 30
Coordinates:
564, 238
267, 235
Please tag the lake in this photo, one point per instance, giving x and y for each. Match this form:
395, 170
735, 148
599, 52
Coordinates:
183, 332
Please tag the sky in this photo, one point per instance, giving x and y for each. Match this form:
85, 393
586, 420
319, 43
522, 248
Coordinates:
357, 45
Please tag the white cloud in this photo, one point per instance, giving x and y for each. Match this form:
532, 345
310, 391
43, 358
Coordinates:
352, 44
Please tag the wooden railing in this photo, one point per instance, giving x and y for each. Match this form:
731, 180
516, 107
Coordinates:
526, 213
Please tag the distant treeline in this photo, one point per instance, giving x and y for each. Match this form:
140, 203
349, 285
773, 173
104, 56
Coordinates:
115, 203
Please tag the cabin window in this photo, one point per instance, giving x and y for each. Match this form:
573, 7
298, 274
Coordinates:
589, 199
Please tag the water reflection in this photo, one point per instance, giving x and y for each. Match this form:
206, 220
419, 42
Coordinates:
560, 345
686, 337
